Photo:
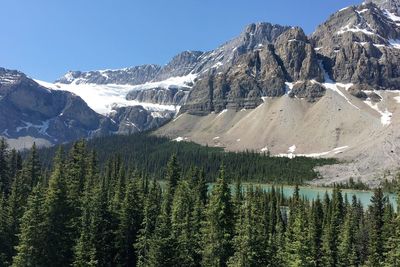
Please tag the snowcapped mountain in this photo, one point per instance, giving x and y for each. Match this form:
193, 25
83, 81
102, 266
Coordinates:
272, 88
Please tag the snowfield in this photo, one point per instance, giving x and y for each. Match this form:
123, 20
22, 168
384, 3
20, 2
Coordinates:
102, 98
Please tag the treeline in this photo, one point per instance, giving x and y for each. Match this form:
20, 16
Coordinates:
82, 217
150, 154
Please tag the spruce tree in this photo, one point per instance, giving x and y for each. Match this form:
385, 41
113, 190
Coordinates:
392, 256
15, 164
332, 229
58, 215
151, 214
219, 225
31, 249
101, 231
376, 245
130, 219
5, 180
4, 245
84, 250
181, 224
315, 232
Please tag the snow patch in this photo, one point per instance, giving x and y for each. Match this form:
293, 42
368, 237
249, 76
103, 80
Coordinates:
393, 17
354, 28
329, 84
173, 82
178, 139
264, 149
222, 112
41, 128
386, 116
316, 155
395, 43
292, 149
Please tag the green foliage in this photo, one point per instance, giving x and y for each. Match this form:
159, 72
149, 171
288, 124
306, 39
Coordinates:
85, 213
31, 250
150, 154
219, 225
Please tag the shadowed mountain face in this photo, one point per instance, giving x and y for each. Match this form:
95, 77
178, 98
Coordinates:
361, 44
390, 5
48, 116
28, 109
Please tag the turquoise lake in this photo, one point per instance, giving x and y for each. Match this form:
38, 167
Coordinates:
311, 192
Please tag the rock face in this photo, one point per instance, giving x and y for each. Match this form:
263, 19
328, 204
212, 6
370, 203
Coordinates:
181, 65
163, 96
360, 44
133, 75
138, 119
391, 5
28, 109
309, 90
262, 71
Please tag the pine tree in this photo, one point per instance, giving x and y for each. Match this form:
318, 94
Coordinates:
130, 219
15, 163
16, 204
75, 172
297, 243
163, 244
392, 257
84, 250
196, 222
58, 214
151, 213
181, 222
32, 168
5, 180
346, 249
219, 225
376, 245
31, 250
251, 240
101, 229
4, 246
315, 232
332, 229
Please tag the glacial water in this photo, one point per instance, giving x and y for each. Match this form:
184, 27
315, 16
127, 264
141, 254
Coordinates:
312, 192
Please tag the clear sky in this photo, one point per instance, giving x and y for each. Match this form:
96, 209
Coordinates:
46, 38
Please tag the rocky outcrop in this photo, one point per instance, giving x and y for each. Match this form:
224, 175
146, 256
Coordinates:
28, 109
138, 119
297, 55
359, 44
180, 65
261, 72
163, 96
132, 76
390, 5
309, 90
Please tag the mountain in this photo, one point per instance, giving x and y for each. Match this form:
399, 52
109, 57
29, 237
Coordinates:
360, 44
28, 109
273, 88
133, 75
31, 112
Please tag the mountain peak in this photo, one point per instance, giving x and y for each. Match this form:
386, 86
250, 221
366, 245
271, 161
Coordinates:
390, 5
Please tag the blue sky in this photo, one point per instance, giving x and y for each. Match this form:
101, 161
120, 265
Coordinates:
46, 38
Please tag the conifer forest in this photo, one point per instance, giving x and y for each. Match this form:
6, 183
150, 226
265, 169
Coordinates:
91, 207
